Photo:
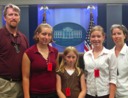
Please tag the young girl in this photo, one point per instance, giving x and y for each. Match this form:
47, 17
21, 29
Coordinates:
70, 78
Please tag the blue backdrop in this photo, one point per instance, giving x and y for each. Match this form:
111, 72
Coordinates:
80, 16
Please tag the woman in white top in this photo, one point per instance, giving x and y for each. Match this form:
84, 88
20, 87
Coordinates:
119, 36
100, 66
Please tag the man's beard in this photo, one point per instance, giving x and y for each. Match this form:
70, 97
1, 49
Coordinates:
13, 27
13, 24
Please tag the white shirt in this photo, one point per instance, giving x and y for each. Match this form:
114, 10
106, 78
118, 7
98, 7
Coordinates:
70, 72
122, 77
106, 63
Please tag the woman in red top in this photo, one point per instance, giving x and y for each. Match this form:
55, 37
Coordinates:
39, 65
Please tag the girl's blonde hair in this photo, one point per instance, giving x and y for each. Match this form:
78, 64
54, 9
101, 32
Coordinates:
63, 63
39, 30
97, 28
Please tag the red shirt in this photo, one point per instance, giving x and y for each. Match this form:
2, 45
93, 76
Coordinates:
41, 80
10, 60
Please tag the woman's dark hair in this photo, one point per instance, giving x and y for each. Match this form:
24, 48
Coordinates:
121, 27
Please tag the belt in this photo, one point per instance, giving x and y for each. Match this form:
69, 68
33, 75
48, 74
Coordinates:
10, 79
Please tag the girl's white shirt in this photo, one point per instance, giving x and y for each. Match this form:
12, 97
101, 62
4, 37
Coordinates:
107, 65
122, 77
70, 71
